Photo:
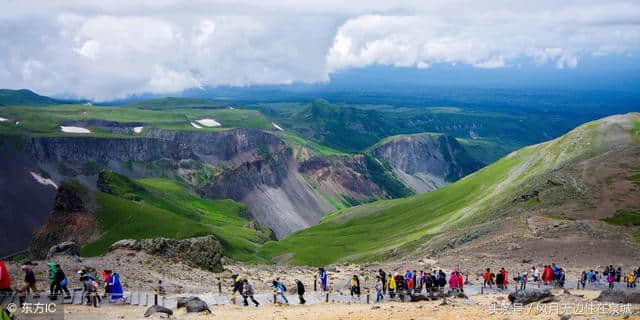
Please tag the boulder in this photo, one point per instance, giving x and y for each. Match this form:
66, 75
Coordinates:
200, 252
67, 248
419, 297
193, 304
528, 296
157, 309
614, 296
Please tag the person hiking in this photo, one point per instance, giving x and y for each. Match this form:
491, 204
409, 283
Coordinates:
408, 275
523, 281
117, 293
53, 284
248, 292
453, 282
428, 282
106, 278
415, 281
383, 276
61, 281
547, 275
499, 280
561, 278
391, 286
29, 284
535, 273
379, 286
237, 286
355, 286
86, 275
442, 279
280, 289
300, 288
487, 278
611, 278
618, 274
400, 285
583, 279
410, 286
323, 279
631, 279
460, 281
90, 287
422, 277
506, 278
5, 278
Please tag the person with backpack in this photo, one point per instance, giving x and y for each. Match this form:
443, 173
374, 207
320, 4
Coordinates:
391, 286
379, 286
90, 287
280, 289
237, 286
61, 281
323, 279
5, 278
53, 284
561, 278
29, 281
248, 292
383, 276
355, 286
300, 287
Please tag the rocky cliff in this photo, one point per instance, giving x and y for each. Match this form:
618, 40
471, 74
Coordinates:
252, 166
426, 161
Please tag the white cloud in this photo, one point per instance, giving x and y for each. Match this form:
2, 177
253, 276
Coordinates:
114, 48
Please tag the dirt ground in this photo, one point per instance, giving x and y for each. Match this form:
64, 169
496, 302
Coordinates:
476, 307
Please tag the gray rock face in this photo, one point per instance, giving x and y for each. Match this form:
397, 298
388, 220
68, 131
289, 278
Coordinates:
193, 304
528, 296
252, 166
426, 161
67, 248
201, 252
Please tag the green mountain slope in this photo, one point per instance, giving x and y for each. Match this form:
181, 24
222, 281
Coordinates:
47, 121
372, 231
356, 128
24, 97
148, 208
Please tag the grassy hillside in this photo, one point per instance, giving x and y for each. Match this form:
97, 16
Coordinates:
163, 208
46, 121
356, 128
370, 231
173, 103
24, 97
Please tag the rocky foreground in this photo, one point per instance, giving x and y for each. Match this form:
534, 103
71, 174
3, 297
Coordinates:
493, 306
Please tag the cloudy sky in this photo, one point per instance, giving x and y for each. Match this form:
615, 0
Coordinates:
111, 49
